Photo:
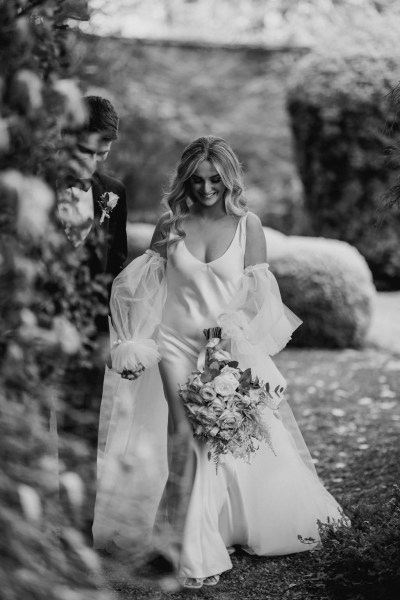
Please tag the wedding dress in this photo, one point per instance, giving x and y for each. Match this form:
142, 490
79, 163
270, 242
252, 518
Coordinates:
159, 309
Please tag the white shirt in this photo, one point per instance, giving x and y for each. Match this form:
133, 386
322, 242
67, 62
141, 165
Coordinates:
75, 207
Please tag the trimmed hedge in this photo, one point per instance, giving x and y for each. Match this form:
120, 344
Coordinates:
340, 117
327, 283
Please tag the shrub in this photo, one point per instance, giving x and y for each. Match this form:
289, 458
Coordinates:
362, 561
46, 321
340, 117
327, 283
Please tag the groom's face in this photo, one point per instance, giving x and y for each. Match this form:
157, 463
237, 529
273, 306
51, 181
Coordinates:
91, 149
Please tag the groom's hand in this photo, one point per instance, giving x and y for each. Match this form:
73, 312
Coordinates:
134, 373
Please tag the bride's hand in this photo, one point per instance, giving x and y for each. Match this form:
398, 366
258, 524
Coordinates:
224, 344
134, 373
222, 351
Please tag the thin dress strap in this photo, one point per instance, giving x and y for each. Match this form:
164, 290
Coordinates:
242, 232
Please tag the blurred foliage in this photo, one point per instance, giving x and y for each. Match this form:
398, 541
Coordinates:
362, 561
168, 96
49, 304
263, 22
391, 198
169, 93
341, 117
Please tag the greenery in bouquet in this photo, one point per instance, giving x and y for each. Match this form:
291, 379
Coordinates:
224, 405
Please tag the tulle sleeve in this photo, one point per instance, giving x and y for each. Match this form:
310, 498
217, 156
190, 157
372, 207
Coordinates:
257, 315
137, 301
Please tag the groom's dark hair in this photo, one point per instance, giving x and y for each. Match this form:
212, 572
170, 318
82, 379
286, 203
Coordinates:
101, 117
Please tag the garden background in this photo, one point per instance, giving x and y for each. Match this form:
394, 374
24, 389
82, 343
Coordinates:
302, 92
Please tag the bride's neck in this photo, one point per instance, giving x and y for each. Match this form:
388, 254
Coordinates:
208, 213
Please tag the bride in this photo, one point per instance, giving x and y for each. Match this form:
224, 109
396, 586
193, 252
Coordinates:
157, 487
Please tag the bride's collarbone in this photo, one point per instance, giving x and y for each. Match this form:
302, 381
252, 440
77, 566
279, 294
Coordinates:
209, 241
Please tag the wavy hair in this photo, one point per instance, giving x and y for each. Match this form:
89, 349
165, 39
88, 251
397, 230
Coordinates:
177, 199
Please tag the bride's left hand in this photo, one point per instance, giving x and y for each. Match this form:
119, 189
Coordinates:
220, 351
224, 344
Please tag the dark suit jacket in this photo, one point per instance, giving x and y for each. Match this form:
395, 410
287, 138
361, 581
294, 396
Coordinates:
110, 255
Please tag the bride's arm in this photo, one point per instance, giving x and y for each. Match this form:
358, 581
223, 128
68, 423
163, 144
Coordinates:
256, 246
159, 236
137, 301
256, 320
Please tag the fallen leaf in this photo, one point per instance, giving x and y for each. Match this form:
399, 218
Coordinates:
338, 412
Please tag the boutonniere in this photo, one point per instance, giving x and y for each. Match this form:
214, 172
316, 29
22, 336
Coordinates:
107, 201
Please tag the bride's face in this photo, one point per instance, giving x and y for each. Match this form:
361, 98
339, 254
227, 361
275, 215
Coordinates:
206, 185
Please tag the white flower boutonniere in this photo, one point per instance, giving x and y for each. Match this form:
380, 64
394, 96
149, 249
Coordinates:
108, 201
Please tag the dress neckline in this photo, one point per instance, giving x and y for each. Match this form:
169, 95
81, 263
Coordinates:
219, 257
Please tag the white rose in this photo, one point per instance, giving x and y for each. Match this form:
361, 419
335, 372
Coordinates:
226, 384
112, 200
233, 370
195, 382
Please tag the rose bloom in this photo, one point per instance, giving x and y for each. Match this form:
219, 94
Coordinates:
193, 409
230, 419
205, 417
194, 397
226, 384
196, 382
208, 393
239, 402
228, 369
217, 406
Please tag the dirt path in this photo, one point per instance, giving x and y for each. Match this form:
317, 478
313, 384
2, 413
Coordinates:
347, 404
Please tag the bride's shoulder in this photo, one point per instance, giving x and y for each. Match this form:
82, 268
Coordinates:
252, 219
160, 235
256, 247
253, 225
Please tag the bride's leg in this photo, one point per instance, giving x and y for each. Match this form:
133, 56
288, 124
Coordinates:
181, 457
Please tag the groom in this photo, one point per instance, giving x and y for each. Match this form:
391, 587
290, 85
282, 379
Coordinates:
92, 206
93, 212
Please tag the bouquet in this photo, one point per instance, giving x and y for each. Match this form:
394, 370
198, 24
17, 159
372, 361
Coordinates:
224, 405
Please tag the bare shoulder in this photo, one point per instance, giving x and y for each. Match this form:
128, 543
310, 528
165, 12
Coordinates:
254, 225
158, 234
256, 247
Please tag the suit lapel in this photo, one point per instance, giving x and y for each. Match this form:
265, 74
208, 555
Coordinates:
98, 188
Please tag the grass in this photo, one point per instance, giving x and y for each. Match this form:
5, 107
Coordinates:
347, 404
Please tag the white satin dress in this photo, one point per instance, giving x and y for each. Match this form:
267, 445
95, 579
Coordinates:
262, 506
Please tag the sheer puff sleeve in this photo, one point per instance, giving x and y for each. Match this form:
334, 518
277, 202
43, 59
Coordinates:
137, 301
257, 315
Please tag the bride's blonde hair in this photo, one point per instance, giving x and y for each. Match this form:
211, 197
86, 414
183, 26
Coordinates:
219, 153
